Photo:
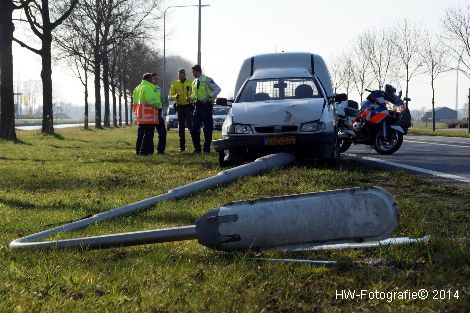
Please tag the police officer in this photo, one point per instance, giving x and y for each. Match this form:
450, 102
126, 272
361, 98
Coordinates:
145, 98
180, 92
204, 91
161, 123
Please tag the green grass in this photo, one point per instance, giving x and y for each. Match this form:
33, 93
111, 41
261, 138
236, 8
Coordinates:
425, 129
428, 125
46, 181
439, 132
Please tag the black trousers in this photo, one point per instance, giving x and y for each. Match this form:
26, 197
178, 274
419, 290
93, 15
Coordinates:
161, 130
202, 115
185, 116
144, 144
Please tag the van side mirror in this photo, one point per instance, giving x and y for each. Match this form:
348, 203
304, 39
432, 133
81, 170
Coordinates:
223, 102
339, 97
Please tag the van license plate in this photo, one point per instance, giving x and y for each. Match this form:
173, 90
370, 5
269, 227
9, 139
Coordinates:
280, 141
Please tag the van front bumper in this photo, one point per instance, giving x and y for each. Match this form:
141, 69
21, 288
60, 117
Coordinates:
320, 142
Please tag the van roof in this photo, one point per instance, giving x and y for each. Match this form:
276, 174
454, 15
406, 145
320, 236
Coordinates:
287, 60
294, 72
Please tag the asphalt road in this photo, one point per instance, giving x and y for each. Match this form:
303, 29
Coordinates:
444, 157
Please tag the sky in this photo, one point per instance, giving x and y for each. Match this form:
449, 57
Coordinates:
233, 30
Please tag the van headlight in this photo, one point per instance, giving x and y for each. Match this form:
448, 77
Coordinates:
312, 127
240, 129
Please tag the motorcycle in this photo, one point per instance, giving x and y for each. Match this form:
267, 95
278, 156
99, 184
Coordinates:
378, 123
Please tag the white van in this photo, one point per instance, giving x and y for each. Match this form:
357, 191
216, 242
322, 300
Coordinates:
284, 102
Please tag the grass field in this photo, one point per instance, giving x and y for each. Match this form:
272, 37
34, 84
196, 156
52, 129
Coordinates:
440, 132
46, 181
425, 129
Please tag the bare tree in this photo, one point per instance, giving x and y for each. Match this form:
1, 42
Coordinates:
113, 80
361, 69
456, 22
106, 25
81, 69
407, 42
123, 19
347, 72
39, 15
434, 58
7, 104
32, 92
77, 53
336, 68
457, 25
379, 51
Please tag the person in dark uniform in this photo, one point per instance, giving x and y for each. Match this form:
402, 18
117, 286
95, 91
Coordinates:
204, 91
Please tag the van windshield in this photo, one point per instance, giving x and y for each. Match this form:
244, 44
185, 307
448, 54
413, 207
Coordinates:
278, 89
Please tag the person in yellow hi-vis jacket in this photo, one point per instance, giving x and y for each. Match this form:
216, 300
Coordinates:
145, 100
180, 92
205, 90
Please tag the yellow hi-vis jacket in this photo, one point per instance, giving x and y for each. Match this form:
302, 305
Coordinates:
181, 92
201, 89
146, 99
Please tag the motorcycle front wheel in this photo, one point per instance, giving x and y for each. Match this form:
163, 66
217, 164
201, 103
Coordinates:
384, 145
344, 145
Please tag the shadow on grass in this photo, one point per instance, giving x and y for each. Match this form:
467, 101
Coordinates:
25, 159
22, 142
64, 183
59, 136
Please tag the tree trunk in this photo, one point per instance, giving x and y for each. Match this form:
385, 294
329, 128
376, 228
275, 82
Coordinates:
433, 110
107, 121
85, 121
97, 68
131, 115
7, 107
113, 92
126, 109
46, 76
468, 111
120, 103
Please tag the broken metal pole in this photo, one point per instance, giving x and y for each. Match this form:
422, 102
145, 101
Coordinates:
223, 177
287, 222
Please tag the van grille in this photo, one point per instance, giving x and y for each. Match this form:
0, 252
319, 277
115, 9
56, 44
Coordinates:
272, 129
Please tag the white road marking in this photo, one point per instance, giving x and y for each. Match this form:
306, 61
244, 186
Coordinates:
415, 169
437, 144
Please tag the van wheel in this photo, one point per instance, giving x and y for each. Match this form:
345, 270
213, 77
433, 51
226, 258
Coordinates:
222, 162
335, 160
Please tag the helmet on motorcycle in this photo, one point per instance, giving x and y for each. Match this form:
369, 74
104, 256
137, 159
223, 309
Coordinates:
390, 94
389, 89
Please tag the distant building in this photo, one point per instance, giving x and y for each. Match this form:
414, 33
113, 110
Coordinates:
442, 115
